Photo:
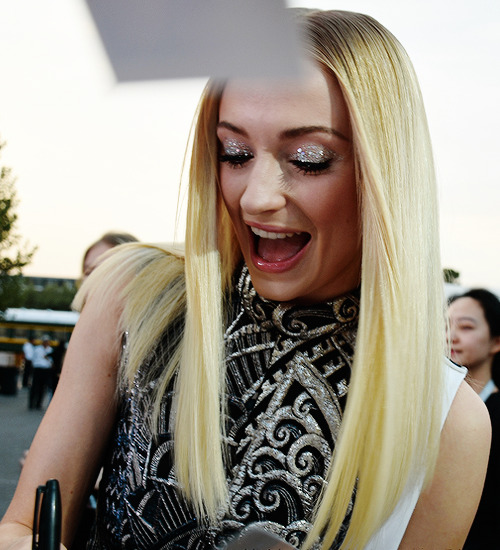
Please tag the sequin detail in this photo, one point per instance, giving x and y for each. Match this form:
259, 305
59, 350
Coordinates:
313, 154
288, 370
234, 148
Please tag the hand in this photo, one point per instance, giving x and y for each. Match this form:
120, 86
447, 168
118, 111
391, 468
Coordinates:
14, 536
23, 543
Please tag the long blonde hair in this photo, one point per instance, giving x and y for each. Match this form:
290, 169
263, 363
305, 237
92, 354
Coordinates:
392, 421
391, 427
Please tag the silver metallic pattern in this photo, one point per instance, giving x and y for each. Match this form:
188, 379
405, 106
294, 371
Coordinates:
288, 370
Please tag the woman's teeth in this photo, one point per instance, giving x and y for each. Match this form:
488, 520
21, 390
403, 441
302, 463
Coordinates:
272, 235
274, 246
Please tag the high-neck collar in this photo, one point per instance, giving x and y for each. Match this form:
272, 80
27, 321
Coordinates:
292, 319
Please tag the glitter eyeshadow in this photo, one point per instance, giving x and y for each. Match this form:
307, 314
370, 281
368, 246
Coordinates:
312, 154
236, 148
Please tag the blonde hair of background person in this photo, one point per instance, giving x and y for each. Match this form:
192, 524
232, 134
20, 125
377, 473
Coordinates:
384, 441
99, 247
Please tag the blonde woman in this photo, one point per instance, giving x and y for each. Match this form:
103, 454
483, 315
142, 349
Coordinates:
287, 371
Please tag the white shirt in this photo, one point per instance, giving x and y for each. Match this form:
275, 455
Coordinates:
28, 349
40, 357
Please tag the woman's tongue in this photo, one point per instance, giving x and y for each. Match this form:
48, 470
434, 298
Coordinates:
277, 250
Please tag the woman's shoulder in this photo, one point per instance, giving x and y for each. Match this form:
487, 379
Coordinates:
468, 415
446, 507
466, 410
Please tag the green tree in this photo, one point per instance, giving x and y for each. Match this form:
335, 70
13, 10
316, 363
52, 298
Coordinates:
13, 256
450, 275
53, 296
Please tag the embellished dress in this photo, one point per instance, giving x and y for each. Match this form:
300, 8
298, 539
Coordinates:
288, 371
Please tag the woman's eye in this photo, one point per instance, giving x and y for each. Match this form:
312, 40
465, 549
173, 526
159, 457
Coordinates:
234, 153
313, 159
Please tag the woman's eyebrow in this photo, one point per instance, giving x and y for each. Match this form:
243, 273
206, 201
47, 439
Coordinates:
466, 318
303, 130
291, 133
232, 128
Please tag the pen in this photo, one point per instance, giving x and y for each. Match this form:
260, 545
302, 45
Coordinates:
47, 519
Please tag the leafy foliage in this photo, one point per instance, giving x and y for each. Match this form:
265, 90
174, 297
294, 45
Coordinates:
52, 296
13, 257
450, 275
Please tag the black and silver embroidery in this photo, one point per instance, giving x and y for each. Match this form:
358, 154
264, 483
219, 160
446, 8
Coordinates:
288, 370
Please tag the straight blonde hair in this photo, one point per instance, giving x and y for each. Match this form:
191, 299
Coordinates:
391, 427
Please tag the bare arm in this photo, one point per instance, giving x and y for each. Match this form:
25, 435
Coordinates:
445, 511
74, 431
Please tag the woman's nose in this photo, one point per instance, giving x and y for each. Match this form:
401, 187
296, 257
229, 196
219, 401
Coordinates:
452, 335
264, 188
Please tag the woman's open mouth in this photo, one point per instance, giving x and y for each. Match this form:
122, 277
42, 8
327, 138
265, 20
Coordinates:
273, 251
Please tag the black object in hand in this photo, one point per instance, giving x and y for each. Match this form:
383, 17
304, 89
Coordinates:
255, 537
47, 520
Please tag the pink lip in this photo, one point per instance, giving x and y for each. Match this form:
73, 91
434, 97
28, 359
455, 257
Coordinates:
274, 267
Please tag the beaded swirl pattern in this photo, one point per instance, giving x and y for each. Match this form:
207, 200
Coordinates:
288, 370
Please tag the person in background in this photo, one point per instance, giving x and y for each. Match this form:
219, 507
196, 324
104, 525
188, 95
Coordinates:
42, 373
57, 363
285, 372
28, 348
95, 250
474, 340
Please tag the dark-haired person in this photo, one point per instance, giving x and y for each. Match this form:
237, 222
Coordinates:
474, 340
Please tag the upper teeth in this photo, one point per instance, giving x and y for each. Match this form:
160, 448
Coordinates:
270, 234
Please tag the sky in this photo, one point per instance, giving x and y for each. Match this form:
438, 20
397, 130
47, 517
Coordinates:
92, 155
